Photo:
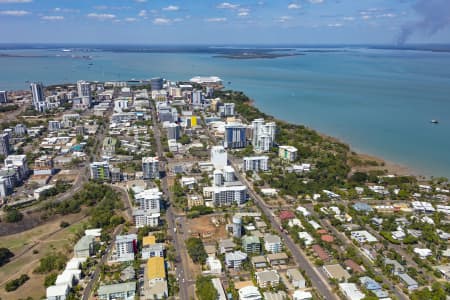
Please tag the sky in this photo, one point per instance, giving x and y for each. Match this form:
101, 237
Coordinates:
223, 22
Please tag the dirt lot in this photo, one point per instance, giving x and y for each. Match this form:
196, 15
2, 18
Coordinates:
207, 229
29, 247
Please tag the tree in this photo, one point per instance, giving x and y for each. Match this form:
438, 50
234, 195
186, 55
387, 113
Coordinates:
196, 250
205, 289
184, 140
50, 279
13, 215
359, 177
14, 284
5, 255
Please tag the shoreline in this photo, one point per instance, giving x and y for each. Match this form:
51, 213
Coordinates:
392, 167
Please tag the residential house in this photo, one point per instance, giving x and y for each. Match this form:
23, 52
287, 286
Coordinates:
84, 247
276, 259
267, 278
296, 278
123, 291
234, 259
251, 244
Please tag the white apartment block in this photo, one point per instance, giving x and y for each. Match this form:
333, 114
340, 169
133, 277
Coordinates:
150, 167
256, 163
145, 218
149, 200
226, 195
219, 157
125, 247
287, 152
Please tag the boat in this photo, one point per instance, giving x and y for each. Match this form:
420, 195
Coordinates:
434, 121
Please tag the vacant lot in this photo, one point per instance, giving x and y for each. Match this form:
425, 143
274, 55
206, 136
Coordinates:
29, 247
207, 230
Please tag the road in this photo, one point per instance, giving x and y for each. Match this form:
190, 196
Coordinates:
347, 242
96, 274
317, 279
181, 261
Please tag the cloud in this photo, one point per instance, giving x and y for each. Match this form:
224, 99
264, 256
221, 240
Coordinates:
434, 16
161, 21
14, 13
52, 18
140, 1
171, 8
284, 19
243, 12
142, 13
316, 1
101, 17
15, 1
335, 25
66, 10
294, 6
130, 20
216, 20
348, 18
227, 5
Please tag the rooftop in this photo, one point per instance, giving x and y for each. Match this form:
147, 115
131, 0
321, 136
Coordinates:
117, 288
156, 268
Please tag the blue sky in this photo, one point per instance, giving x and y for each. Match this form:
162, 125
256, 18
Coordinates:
225, 22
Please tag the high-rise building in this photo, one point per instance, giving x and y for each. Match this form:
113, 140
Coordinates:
263, 135
226, 195
54, 125
19, 163
219, 157
218, 177
100, 171
197, 97
226, 110
126, 247
84, 89
149, 200
256, 163
156, 83
5, 147
3, 97
228, 174
173, 131
235, 136
150, 167
237, 226
37, 91
20, 130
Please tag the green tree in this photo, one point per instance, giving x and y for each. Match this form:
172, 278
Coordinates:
204, 288
5, 255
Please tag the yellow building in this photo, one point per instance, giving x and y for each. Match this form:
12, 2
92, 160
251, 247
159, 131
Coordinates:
148, 240
156, 270
193, 121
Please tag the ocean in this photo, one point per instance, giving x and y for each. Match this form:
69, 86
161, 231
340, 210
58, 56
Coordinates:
380, 101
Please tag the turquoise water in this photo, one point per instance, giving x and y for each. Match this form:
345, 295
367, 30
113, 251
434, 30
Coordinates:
379, 101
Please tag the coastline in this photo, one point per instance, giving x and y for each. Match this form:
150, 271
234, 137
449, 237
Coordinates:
391, 167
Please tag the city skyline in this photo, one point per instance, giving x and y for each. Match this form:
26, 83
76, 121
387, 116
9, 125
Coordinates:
217, 22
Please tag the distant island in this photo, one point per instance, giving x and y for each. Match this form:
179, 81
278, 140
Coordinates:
253, 55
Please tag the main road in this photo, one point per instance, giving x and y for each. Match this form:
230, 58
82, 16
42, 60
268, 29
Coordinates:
180, 264
317, 280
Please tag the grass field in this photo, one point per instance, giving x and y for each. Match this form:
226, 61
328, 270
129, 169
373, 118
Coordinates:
29, 247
